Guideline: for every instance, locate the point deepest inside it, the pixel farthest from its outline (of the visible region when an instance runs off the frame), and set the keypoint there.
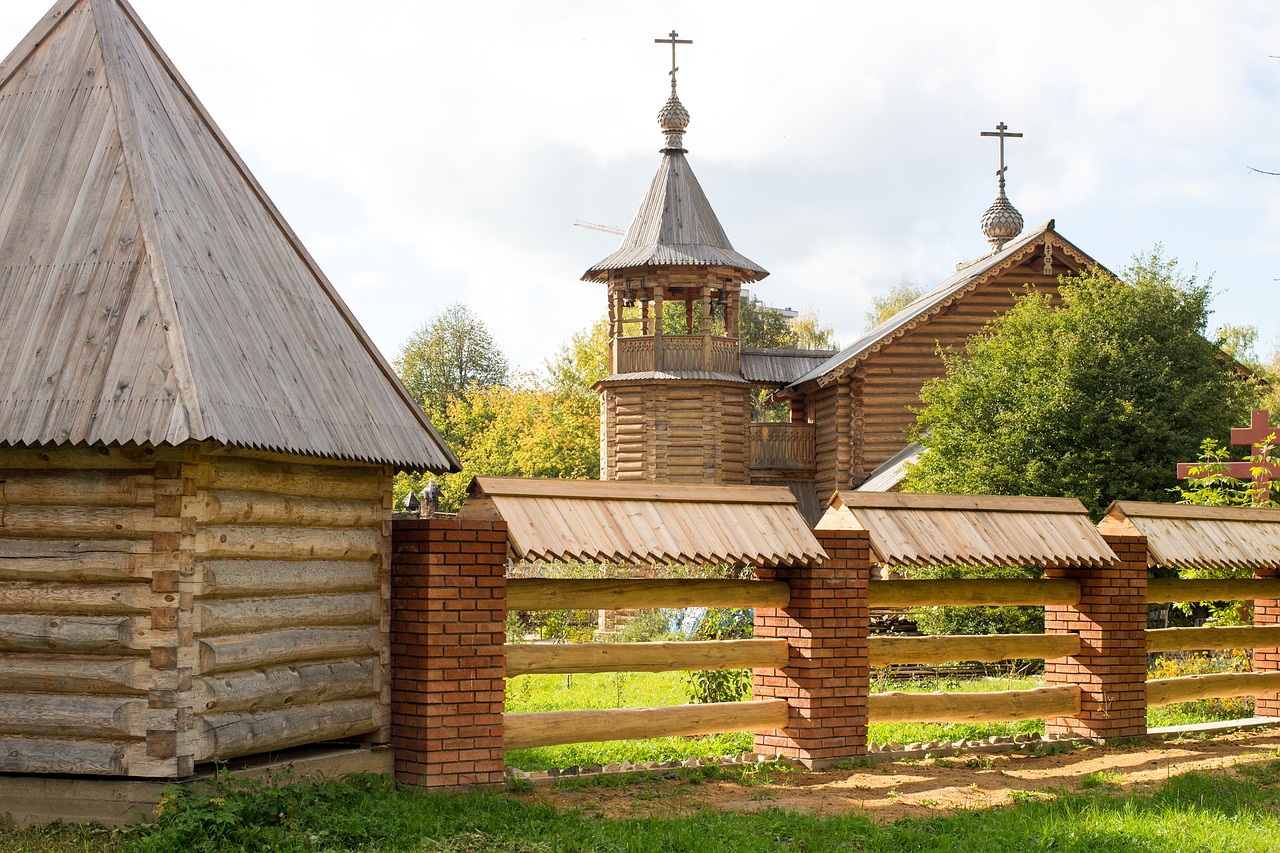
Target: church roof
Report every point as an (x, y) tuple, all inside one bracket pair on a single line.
[(967, 278), (675, 226), (780, 366), (150, 292)]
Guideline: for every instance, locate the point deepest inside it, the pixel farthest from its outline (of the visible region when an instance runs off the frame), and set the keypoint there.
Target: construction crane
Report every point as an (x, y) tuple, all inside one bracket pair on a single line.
[(608, 229)]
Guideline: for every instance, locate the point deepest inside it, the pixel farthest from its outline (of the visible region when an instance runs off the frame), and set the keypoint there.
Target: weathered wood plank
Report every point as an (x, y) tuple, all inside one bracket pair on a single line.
[(36, 672), (283, 647), (77, 598), (61, 715), (306, 481), (645, 657), (75, 488), (63, 755), (104, 635), (285, 686), (249, 732), (96, 458), (69, 522), (264, 577), (252, 615), (548, 728), (986, 592), (225, 507), (896, 707), (288, 543), (544, 594), (961, 647)]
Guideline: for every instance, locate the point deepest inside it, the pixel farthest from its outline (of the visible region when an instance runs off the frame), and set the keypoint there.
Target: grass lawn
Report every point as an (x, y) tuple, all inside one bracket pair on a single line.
[(1193, 812)]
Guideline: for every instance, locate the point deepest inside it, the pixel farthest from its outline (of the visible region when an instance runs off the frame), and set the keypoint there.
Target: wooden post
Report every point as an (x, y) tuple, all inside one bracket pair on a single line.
[(827, 679), (657, 327), (706, 327), (616, 327), (1266, 612), (1111, 668), (448, 636)]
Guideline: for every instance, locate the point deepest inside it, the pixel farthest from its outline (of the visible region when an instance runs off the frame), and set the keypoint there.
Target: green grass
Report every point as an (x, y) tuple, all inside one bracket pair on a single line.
[(1199, 812), (907, 733)]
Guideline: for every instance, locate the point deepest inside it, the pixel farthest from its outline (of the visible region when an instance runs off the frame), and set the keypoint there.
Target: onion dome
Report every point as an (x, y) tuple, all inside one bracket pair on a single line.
[(1002, 221), (673, 119)]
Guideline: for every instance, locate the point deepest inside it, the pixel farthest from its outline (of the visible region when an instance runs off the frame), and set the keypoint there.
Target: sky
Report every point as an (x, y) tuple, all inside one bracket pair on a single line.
[(431, 152)]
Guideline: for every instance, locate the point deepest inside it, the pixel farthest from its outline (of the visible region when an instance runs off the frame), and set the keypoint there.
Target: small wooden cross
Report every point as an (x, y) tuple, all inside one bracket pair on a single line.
[(1002, 132), (673, 41), (1259, 436)]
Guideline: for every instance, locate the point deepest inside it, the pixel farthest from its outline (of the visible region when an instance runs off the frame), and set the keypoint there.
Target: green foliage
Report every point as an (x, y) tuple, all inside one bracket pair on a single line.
[(1098, 398), (763, 327), (885, 305), (721, 685), (1176, 665), (450, 354), (977, 620)]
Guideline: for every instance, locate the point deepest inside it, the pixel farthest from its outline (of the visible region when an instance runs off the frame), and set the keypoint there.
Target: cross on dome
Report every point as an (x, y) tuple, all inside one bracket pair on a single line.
[(1002, 221), (673, 118)]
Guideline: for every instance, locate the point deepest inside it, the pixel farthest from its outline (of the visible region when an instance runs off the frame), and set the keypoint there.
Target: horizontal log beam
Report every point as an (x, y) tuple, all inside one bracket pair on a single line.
[(225, 578), (286, 646), (237, 733), (62, 715), (548, 728), (985, 592), (63, 522), (545, 594), (77, 488), (64, 673), (1165, 590), (305, 481), (1237, 637), (227, 507), (935, 650), (276, 687), (896, 707), (1189, 688), (104, 635), (86, 458), (76, 560), (525, 658), (289, 543), (67, 598), (254, 615)]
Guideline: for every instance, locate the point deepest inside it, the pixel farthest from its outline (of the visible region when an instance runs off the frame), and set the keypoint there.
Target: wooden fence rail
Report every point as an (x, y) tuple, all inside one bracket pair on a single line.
[(1241, 637), (937, 649), (549, 594), (1063, 700), (525, 658), (988, 592), (1165, 590), (1189, 688), (548, 728)]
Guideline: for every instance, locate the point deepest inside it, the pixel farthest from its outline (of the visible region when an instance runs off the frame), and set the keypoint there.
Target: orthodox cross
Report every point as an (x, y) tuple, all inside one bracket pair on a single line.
[(1002, 131), (1260, 437), (673, 41)]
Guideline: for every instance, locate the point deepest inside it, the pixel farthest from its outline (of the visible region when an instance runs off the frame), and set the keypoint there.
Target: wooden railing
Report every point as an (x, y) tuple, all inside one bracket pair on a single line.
[(1223, 685), (679, 352), (783, 447), (548, 728)]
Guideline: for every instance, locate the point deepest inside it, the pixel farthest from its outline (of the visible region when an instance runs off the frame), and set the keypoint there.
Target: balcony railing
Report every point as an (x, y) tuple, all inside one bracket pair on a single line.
[(782, 447), (679, 352)]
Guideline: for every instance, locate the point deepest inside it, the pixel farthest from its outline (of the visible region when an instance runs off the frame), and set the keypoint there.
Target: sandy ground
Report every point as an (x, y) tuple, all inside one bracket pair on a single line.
[(916, 787)]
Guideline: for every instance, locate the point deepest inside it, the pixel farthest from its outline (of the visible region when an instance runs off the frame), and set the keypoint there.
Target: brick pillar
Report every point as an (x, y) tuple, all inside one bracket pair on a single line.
[(448, 662), (827, 680), (1111, 668), (1266, 611)]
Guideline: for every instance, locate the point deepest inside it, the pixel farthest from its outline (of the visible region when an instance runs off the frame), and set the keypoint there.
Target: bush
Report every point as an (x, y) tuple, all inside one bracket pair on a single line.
[(722, 685)]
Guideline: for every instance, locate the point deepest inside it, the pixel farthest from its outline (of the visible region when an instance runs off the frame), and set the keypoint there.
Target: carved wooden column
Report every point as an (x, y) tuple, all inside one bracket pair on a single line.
[(657, 327)]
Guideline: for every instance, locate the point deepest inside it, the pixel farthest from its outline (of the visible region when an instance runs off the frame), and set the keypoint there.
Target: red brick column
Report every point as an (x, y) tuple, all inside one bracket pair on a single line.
[(1111, 668), (1266, 611), (827, 679), (448, 662)]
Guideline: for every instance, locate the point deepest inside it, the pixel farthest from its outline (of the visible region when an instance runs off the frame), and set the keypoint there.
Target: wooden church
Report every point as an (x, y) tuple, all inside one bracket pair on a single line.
[(676, 406), (197, 439)]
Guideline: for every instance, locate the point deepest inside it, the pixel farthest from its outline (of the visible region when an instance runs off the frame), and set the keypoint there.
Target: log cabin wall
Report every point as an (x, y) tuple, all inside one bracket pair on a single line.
[(678, 431), (161, 608), (891, 378)]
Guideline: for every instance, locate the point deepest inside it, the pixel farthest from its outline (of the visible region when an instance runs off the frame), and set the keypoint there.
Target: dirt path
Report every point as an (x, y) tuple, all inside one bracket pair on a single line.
[(916, 787)]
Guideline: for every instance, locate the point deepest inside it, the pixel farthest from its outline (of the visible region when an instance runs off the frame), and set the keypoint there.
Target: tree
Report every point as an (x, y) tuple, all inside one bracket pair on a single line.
[(886, 304), (450, 353), (763, 327), (1097, 399)]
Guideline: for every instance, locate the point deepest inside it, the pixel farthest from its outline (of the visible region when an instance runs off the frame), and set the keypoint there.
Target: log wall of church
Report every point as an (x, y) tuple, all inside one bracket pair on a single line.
[(893, 377)]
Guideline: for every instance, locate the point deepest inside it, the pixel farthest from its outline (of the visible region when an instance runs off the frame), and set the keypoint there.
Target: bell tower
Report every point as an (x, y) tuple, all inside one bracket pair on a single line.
[(675, 405)]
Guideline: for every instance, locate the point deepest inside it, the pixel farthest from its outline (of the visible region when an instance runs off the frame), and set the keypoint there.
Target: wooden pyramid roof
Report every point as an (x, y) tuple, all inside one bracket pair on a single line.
[(150, 292), (675, 226)]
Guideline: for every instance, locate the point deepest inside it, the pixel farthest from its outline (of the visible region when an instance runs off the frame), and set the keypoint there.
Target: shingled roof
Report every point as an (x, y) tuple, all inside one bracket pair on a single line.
[(150, 292)]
